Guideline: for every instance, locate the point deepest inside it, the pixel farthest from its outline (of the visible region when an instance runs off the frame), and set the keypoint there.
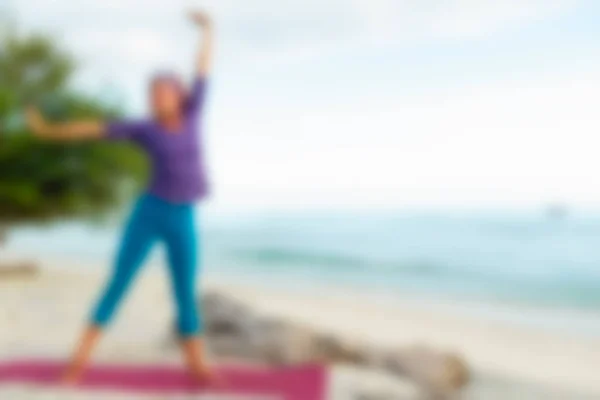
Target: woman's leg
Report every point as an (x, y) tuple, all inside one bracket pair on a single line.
[(182, 244), (136, 243)]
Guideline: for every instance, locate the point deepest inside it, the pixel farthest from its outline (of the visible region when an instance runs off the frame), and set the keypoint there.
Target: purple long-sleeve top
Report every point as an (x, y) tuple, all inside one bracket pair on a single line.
[(178, 173)]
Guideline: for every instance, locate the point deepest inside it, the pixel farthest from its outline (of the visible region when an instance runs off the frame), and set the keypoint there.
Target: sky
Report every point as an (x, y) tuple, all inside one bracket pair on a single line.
[(365, 103)]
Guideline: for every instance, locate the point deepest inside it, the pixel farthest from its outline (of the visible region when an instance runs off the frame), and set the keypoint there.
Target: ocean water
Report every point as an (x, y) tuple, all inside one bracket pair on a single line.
[(496, 260)]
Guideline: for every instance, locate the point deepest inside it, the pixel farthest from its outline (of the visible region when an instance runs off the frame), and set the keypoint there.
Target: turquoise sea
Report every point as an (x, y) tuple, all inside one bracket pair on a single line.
[(529, 262)]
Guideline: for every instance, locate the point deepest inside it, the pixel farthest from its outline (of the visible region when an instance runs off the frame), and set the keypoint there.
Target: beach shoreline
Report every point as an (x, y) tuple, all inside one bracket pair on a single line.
[(514, 355)]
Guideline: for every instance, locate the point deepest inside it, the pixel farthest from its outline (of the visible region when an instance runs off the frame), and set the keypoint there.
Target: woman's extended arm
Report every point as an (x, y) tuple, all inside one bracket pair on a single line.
[(204, 60), (76, 130)]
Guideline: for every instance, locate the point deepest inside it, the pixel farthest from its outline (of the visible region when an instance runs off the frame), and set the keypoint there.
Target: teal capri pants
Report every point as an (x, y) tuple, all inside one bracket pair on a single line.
[(153, 220)]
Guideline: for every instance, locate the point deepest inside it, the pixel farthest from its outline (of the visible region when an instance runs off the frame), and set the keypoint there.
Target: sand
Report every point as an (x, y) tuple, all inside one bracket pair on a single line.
[(44, 315)]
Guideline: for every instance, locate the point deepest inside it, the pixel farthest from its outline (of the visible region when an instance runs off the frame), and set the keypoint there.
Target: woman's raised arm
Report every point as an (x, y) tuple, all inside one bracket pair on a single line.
[(205, 54)]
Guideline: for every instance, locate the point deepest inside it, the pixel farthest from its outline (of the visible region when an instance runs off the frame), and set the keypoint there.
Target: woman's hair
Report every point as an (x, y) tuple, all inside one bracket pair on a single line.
[(172, 79), (167, 77)]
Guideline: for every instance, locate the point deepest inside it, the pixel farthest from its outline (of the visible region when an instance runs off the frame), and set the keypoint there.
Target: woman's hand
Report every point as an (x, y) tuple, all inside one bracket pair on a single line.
[(201, 18)]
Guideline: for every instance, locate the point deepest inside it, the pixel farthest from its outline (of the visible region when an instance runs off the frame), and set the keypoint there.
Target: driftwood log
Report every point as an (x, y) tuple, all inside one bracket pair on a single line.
[(18, 271), (233, 330), (14, 270)]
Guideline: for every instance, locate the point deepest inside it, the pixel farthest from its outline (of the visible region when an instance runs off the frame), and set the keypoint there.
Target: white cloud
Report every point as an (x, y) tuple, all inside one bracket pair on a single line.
[(393, 20), (270, 31), (512, 143), (276, 30), (141, 46)]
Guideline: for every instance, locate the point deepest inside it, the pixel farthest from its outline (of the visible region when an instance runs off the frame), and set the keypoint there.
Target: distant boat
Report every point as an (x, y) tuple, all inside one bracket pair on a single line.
[(557, 211)]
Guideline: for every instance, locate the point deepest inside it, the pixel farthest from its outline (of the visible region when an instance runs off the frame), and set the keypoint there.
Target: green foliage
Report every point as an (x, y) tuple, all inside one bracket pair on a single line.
[(43, 181)]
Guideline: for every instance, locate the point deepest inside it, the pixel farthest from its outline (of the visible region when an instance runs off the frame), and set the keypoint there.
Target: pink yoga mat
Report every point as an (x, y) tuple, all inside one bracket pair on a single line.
[(302, 383)]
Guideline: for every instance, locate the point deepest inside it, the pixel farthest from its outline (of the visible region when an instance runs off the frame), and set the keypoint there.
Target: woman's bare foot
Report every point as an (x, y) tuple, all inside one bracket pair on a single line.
[(201, 373), (206, 375), (193, 351), (72, 375), (74, 371)]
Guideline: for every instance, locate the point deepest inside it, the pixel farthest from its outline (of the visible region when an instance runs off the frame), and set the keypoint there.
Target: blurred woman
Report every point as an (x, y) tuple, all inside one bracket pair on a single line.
[(165, 212)]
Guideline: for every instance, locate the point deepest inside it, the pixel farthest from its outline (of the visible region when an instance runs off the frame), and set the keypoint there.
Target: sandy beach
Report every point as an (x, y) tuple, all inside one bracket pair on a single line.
[(42, 316)]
